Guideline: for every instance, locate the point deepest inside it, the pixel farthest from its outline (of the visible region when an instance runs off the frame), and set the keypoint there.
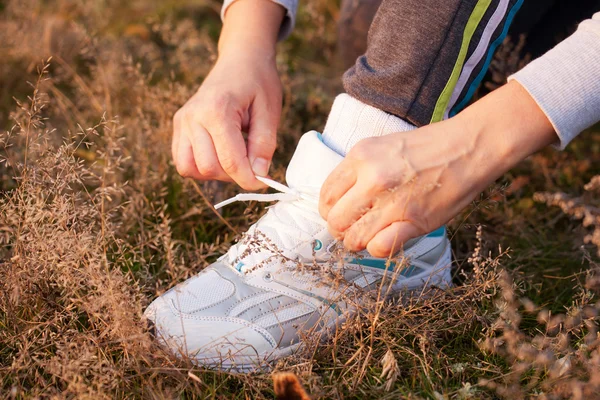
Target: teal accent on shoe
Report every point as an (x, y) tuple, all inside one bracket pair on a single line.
[(438, 232), (238, 266), (320, 136), (381, 263), (318, 245), (323, 300)]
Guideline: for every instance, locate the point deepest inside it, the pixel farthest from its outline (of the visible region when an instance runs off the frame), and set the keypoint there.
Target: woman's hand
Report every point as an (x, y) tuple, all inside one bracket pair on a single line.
[(393, 188), (242, 93)]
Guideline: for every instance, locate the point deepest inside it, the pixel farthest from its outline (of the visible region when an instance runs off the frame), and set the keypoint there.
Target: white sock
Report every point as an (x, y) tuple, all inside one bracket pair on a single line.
[(350, 120)]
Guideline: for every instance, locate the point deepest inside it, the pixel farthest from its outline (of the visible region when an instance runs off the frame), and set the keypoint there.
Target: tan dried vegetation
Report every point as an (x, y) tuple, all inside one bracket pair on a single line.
[(95, 222)]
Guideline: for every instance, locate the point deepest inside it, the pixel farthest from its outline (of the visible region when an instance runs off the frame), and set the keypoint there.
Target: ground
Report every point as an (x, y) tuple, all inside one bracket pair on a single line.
[(95, 223)]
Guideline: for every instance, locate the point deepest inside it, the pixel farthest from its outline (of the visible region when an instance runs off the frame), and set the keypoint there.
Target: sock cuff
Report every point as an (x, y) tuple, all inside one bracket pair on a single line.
[(351, 120)]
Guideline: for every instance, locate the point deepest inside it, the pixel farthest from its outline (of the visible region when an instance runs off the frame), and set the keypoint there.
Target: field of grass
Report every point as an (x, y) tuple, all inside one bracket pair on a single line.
[(95, 223)]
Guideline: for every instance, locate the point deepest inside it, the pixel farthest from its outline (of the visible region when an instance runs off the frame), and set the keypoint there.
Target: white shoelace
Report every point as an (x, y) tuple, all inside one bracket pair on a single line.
[(279, 218), (286, 193)]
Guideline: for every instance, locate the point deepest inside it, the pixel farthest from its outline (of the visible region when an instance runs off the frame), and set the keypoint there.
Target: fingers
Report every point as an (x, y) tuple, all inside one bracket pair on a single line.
[(335, 186), (231, 152), (184, 159), (348, 210), (205, 156), (211, 151), (387, 208), (390, 240), (193, 152), (362, 231), (262, 135)]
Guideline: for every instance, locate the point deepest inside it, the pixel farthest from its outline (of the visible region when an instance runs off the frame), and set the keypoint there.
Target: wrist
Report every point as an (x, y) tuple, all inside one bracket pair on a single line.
[(507, 126), (251, 27), (248, 58)]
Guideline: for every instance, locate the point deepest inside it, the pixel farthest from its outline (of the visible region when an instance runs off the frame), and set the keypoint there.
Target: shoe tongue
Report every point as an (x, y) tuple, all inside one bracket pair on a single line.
[(311, 163)]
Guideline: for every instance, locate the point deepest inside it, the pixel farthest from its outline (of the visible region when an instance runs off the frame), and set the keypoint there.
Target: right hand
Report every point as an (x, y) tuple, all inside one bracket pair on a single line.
[(242, 93)]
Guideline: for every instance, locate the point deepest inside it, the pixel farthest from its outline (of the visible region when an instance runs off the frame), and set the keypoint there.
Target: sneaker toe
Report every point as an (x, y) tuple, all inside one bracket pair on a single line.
[(182, 323)]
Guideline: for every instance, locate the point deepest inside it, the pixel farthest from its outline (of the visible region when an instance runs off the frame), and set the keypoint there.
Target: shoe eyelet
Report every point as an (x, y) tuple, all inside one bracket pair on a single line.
[(317, 245), (267, 277)]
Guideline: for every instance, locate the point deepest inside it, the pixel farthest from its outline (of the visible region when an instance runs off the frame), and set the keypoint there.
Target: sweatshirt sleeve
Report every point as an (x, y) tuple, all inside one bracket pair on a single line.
[(565, 82), (288, 22)]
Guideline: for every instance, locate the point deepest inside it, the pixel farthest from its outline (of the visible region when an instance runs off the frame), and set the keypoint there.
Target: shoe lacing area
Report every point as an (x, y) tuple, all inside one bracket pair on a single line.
[(291, 222)]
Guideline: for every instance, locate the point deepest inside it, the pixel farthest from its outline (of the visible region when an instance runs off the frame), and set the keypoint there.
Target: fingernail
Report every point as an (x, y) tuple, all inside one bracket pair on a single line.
[(260, 166)]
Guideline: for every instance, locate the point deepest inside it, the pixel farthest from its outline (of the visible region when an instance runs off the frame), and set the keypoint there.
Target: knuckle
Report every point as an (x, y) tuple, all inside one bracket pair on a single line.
[(353, 242), (208, 170), (215, 119), (325, 198), (223, 102), (230, 165), (362, 150), (268, 143), (184, 115), (184, 170), (336, 225), (380, 180)]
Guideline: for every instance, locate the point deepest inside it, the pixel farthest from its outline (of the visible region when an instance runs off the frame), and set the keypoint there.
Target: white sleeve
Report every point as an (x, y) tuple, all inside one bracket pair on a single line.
[(288, 22), (565, 82)]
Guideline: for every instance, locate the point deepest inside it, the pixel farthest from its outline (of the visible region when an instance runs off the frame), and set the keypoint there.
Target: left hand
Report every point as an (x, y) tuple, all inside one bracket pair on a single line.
[(393, 188)]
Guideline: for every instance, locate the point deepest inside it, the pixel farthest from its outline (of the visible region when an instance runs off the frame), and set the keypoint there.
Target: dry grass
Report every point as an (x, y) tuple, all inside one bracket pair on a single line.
[(95, 222)]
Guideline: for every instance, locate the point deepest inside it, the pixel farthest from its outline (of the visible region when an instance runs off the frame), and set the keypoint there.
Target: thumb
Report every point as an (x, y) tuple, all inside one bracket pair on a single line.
[(262, 135), (391, 239)]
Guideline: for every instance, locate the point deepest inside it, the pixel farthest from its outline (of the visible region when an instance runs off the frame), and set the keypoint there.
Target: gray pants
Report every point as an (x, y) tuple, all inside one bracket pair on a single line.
[(425, 58)]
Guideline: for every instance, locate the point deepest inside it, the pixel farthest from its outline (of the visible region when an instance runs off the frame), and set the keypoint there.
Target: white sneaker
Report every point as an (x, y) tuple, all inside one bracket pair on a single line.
[(282, 282)]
